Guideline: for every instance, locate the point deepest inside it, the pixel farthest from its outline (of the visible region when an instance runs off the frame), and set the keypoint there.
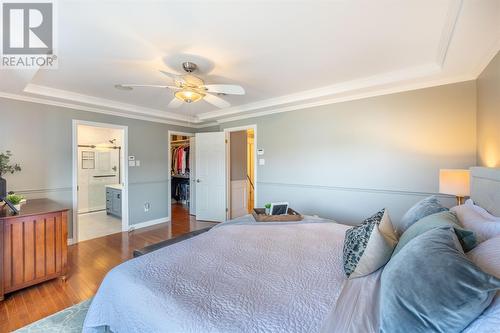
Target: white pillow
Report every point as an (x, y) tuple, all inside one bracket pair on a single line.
[(487, 257), (483, 212), (478, 220)]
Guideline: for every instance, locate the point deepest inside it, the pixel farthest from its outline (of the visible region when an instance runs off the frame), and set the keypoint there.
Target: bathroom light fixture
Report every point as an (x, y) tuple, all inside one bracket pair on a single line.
[(189, 95)]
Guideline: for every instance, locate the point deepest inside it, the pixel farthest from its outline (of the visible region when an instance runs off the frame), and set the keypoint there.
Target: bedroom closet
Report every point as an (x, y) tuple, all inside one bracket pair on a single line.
[(181, 163)]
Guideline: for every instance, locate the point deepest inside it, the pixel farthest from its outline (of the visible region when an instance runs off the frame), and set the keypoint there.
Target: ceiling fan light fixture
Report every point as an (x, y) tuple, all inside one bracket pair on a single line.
[(188, 95)]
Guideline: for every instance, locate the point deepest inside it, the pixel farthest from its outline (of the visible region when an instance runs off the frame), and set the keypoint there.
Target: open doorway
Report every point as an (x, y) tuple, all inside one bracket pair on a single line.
[(182, 192), (242, 171), (100, 171)]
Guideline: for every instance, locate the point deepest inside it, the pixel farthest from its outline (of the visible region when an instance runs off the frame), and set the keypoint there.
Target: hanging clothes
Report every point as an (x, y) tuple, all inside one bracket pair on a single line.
[(180, 160)]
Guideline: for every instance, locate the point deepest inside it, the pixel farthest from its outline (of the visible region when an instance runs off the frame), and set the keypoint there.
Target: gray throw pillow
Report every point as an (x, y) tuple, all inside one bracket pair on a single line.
[(421, 209), (466, 237), (431, 286)]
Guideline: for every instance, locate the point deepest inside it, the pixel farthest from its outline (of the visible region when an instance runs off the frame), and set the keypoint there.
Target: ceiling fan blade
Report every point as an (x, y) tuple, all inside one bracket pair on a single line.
[(174, 77), (229, 89), (217, 101), (175, 103), (126, 85)]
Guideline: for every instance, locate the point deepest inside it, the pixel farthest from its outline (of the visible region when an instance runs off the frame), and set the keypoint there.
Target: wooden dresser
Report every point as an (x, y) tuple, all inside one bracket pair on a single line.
[(33, 245)]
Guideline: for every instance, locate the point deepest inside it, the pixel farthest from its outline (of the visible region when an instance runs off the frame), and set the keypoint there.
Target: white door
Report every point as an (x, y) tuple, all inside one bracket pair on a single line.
[(192, 176), (211, 176)]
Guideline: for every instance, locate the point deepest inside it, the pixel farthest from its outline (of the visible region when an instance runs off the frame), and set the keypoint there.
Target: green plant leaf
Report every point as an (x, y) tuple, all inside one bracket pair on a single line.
[(15, 198)]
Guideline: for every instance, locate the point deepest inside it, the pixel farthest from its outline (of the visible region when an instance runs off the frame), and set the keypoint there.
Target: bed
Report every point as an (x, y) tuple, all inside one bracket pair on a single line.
[(244, 276)]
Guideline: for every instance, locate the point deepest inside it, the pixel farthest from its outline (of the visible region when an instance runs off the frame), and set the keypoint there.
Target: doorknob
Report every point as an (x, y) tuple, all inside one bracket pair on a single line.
[(198, 180)]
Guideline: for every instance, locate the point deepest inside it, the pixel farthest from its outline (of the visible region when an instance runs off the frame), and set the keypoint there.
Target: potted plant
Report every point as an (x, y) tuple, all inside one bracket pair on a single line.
[(268, 208), (6, 167), (15, 199)]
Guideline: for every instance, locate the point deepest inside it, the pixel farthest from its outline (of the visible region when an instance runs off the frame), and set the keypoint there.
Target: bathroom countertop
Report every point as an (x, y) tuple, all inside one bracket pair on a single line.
[(115, 186)]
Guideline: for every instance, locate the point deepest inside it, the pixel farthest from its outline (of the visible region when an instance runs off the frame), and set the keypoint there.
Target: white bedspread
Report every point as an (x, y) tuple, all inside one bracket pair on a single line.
[(234, 278)]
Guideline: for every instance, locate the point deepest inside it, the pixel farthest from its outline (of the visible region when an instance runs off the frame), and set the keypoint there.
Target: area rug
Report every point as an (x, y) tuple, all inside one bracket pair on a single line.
[(69, 320)]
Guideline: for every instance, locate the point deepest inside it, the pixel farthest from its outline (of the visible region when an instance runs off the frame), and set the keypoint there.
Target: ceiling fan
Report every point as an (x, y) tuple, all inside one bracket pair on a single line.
[(189, 88)]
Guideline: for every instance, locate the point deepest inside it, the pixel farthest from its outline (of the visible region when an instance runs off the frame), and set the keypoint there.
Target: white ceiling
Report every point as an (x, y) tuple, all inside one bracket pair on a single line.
[(287, 55)]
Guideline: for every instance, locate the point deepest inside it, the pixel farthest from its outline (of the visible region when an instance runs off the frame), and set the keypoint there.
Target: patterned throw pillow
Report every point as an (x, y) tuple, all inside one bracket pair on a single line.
[(369, 246)]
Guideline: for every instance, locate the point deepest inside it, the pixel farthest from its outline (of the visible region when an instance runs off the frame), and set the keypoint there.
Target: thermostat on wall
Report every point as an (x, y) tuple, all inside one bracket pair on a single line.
[(131, 158), (260, 151)]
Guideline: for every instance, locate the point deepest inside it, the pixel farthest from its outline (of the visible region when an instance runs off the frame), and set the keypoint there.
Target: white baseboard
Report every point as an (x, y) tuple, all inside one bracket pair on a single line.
[(149, 223), (71, 241)]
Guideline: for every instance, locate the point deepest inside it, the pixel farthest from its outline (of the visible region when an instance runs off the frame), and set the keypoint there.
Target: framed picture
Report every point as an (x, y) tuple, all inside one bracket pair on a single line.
[(279, 208)]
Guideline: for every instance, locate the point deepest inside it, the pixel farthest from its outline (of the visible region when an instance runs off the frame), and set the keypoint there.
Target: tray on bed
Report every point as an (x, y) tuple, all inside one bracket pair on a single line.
[(260, 216)]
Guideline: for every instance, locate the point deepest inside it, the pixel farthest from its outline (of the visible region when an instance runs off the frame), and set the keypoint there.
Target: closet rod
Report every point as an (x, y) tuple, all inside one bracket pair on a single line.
[(179, 141)]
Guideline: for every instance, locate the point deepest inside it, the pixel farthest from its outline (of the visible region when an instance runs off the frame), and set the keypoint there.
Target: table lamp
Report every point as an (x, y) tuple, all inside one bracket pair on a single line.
[(455, 182)]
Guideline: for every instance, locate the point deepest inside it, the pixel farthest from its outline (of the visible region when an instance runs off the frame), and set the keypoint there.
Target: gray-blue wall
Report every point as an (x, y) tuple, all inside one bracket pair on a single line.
[(40, 137), (348, 160), (488, 115), (344, 161)]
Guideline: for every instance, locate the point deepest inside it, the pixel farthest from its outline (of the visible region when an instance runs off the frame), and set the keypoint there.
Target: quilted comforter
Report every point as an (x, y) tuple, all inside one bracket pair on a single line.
[(238, 277)]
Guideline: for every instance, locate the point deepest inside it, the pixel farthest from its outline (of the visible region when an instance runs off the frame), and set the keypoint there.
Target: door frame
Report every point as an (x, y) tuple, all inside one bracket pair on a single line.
[(228, 164), (124, 172), (169, 185)]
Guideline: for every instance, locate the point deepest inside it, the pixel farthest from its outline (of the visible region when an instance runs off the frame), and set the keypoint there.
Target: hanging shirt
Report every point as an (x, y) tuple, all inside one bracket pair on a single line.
[(180, 156)]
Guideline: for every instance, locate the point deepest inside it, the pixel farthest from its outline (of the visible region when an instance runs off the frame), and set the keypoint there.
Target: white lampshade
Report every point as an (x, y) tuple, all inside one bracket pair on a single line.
[(455, 182)]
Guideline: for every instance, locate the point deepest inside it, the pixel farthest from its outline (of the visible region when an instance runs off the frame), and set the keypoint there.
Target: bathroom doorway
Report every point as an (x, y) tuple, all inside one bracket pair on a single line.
[(100, 173)]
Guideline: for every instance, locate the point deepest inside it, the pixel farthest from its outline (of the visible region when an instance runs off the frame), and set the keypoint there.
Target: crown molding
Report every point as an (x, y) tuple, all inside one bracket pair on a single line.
[(448, 30), (328, 91), (103, 102), (80, 107), (340, 99)]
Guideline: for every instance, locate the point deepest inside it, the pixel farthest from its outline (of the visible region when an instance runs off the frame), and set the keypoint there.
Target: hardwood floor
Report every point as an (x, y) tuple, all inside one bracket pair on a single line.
[(89, 262)]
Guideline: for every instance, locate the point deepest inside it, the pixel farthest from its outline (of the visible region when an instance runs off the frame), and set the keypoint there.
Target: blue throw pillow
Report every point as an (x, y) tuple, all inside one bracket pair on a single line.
[(421, 209), (431, 286), (466, 237)]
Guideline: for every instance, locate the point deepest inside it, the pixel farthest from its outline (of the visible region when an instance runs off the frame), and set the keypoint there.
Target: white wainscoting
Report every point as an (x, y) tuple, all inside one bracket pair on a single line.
[(344, 204), (239, 199)]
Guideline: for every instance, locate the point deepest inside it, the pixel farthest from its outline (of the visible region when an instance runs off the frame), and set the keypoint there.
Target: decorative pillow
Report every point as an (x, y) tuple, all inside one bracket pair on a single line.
[(467, 238), (477, 219), (487, 256), (369, 246), (421, 209), (431, 286), (483, 212)]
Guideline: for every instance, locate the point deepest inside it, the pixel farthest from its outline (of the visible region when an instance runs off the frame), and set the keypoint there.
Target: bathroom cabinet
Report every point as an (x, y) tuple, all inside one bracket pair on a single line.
[(114, 200)]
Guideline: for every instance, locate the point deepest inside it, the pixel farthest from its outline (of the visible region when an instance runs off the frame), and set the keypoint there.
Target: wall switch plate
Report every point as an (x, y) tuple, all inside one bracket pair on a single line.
[(131, 163), (137, 163), (147, 206), (262, 161)]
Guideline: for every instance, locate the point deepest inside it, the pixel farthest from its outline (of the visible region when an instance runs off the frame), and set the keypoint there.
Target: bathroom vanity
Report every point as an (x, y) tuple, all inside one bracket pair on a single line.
[(114, 200)]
